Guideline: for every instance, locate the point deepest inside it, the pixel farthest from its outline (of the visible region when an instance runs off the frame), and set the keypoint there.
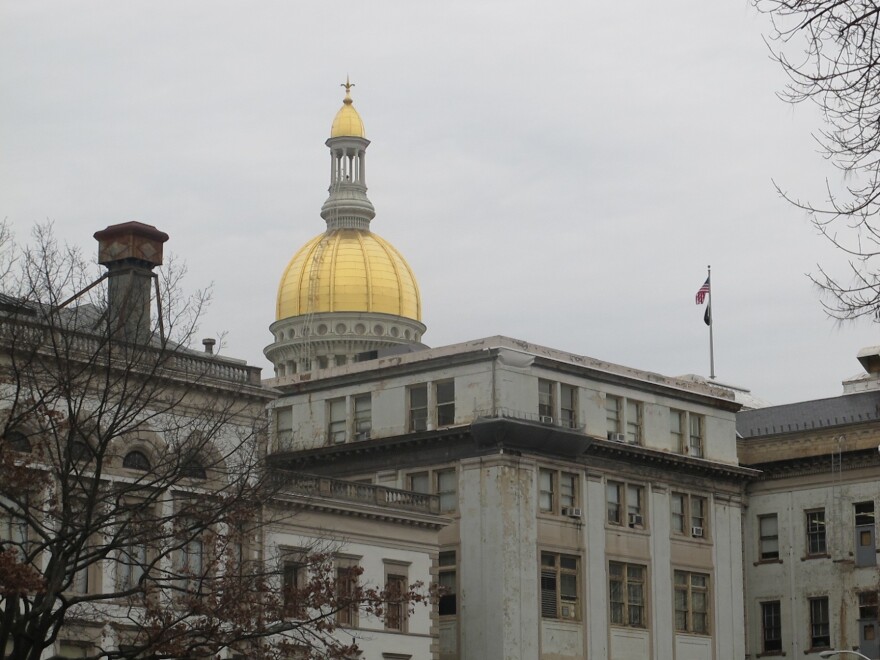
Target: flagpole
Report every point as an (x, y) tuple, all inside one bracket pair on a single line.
[(711, 322)]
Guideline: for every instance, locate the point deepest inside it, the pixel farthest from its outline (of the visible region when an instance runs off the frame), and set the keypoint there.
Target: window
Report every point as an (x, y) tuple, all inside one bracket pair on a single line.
[(557, 491), (190, 562), (347, 592), (864, 513), (676, 430), (546, 407), (446, 403), (771, 627), (688, 515), (284, 427), (446, 580), (768, 546), (820, 629), (395, 607), (17, 441), (612, 414), (633, 422), (193, 468), (136, 460), (294, 578), (568, 406), (695, 437), (447, 489), (691, 602), (866, 554), (625, 500), (336, 425), (131, 566), (443, 483), (363, 416), (626, 588), (816, 543), (13, 524), (418, 408), (868, 605), (559, 586)]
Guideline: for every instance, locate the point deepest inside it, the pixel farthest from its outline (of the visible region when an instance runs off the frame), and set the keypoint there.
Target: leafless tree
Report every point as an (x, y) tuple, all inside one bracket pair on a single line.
[(132, 483), (830, 50)]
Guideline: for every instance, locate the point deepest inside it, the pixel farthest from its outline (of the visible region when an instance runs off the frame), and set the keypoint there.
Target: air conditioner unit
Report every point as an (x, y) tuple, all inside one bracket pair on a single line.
[(362, 435), (636, 520), (616, 437), (546, 419), (568, 612), (697, 532), (572, 511)]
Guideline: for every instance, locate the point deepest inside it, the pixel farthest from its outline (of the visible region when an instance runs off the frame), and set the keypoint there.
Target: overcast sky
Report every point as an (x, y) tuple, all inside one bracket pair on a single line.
[(560, 172)]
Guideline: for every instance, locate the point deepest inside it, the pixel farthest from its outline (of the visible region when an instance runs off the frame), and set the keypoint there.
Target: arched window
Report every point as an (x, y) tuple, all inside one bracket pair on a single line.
[(17, 441), (136, 460), (194, 468)]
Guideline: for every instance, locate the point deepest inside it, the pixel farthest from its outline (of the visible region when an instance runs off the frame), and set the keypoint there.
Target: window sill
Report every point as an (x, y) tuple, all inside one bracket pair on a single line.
[(704, 539), (626, 528), (817, 649), (766, 561), (822, 556), (771, 654)]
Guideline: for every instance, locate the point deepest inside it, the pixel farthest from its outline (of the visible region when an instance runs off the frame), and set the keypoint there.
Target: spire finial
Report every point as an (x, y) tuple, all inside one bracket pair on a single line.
[(348, 85)]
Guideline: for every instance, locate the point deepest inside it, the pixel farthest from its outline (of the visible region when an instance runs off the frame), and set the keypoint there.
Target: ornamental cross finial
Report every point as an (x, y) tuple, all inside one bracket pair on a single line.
[(348, 85)]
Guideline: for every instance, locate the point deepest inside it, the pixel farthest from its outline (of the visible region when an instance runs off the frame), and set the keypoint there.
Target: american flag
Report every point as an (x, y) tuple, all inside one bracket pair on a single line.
[(701, 294)]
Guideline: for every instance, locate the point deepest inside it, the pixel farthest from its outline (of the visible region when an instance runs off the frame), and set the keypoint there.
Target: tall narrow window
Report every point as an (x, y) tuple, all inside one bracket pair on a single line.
[(866, 552), (676, 430), (447, 489), (768, 527), (633, 422), (698, 515), (546, 490), (545, 399), (294, 579), (395, 607), (626, 588), (446, 403), (347, 592), (567, 490), (771, 627), (559, 586), (612, 414), (816, 541), (363, 416), (613, 500), (418, 408), (420, 482), (284, 427), (336, 430), (679, 513), (820, 628), (446, 580), (695, 446), (568, 406)]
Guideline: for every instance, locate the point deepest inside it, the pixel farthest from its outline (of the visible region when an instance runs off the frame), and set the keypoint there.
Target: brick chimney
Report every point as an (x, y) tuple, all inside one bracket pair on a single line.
[(130, 251)]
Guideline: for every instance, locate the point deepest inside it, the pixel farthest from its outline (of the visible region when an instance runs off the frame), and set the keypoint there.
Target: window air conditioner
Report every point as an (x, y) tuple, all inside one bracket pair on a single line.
[(636, 520), (697, 532), (546, 419), (616, 437), (572, 511), (568, 612)]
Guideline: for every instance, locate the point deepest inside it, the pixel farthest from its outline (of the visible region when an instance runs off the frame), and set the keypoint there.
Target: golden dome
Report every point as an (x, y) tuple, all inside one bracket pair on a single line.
[(347, 122), (348, 270)]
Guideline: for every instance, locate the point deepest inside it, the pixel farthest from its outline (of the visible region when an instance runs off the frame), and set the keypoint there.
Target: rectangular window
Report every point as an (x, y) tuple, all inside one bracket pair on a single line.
[(691, 602), (418, 408), (868, 605), (866, 553), (336, 415), (816, 542), (446, 403), (864, 512), (567, 490), (363, 416), (347, 592), (446, 581), (395, 607), (420, 482), (633, 422), (695, 440), (447, 489), (626, 587), (13, 525), (568, 406), (559, 586), (546, 490), (293, 574), (771, 627), (545, 399), (284, 427), (820, 629), (768, 527), (676, 430), (612, 414), (625, 504), (688, 515)]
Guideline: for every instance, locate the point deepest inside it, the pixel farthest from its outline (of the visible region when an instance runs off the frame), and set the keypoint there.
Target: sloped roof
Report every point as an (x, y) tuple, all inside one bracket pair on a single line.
[(806, 415)]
